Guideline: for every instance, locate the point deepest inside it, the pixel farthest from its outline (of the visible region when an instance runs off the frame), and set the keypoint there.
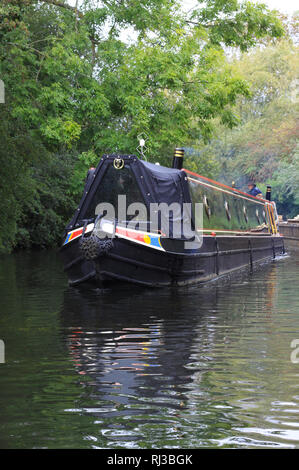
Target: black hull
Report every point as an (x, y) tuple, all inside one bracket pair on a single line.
[(141, 265), (290, 231)]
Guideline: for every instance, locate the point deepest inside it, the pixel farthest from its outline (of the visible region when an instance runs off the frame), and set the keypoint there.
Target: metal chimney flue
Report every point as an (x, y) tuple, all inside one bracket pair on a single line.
[(268, 193), (178, 158)]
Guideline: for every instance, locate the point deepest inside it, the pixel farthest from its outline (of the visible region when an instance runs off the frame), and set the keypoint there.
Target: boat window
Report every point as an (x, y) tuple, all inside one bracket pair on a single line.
[(240, 211), (117, 182)]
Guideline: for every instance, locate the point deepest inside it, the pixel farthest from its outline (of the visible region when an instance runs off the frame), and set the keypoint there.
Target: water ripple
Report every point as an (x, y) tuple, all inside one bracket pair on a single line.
[(132, 368)]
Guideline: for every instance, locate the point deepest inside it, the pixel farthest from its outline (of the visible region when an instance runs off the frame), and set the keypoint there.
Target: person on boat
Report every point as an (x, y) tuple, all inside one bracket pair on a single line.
[(253, 190)]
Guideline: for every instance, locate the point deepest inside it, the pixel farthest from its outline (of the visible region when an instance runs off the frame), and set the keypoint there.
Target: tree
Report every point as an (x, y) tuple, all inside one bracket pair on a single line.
[(75, 89), (285, 185), (263, 147)]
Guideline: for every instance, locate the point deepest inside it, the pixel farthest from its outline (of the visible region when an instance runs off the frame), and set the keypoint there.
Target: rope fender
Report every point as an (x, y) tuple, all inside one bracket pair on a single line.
[(92, 247)]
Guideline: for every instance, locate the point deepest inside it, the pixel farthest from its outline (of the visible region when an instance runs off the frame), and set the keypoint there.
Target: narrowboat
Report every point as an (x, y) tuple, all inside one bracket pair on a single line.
[(290, 232), (150, 225)]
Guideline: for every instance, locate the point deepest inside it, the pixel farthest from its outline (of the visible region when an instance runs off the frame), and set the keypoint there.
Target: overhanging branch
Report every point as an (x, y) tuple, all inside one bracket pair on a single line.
[(62, 4)]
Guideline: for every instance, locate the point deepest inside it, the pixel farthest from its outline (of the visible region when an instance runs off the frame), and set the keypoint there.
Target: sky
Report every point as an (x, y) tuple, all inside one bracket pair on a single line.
[(286, 6)]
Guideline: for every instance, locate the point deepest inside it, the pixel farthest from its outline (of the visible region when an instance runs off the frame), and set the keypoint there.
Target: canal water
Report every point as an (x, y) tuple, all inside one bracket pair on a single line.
[(128, 367)]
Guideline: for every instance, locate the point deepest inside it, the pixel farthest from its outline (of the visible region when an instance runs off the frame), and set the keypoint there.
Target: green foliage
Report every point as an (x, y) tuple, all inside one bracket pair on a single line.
[(263, 146), (76, 88), (285, 185), (84, 160), (42, 219), (238, 25)]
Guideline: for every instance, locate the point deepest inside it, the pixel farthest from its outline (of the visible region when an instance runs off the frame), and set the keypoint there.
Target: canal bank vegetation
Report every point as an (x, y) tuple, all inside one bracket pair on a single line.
[(264, 145), (86, 78)]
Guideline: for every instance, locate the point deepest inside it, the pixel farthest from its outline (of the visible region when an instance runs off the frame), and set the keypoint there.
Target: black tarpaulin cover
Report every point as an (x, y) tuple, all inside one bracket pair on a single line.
[(168, 186), (157, 184)]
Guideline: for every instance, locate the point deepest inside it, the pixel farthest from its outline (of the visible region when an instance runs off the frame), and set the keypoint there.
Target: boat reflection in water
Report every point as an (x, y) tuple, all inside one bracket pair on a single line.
[(128, 350), (189, 359), (174, 227), (147, 343)]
